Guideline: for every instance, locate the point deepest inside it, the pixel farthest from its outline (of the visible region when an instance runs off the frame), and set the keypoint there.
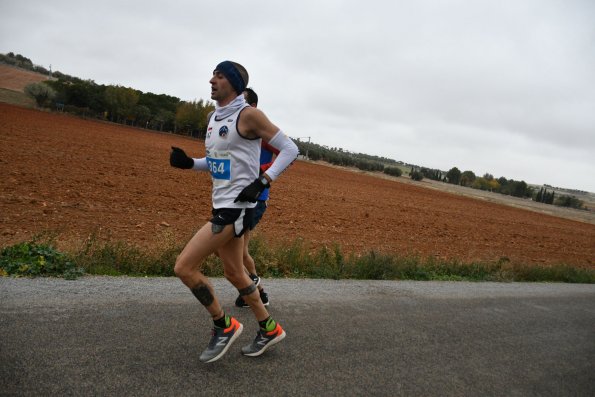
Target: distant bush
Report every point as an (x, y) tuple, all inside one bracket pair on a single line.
[(42, 93), (569, 201), (394, 171), (416, 175)]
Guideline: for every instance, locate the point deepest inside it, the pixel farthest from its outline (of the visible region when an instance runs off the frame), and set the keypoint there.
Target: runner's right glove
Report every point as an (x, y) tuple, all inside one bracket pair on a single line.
[(179, 159)]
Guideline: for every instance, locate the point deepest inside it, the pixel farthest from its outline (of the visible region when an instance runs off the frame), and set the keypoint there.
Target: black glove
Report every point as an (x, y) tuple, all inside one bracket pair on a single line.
[(253, 190), (178, 159)]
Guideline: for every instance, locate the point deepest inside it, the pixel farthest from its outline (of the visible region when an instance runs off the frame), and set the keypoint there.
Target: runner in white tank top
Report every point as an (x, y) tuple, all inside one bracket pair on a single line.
[(233, 160)]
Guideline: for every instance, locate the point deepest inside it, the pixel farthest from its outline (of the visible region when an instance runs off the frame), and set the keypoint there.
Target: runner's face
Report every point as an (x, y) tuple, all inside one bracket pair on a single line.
[(221, 90)]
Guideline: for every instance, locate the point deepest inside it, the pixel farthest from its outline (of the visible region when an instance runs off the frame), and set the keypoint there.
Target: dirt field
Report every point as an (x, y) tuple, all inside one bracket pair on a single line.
[(76, 177), (16, 79)]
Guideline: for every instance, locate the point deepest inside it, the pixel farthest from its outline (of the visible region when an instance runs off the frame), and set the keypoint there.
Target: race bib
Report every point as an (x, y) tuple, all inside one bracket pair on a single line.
[(220, 167)]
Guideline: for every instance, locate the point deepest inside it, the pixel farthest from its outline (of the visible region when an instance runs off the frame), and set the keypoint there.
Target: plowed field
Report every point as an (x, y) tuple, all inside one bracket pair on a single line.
[(16, 79), (75, 177)]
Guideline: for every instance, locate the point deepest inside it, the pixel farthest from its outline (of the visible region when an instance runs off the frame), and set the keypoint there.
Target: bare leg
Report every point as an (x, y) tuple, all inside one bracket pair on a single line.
[(188, 263), (247, 258), (233, 265)]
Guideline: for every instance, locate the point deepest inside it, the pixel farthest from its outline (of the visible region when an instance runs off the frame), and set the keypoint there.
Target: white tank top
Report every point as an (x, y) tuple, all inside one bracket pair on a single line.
[(232, 159)]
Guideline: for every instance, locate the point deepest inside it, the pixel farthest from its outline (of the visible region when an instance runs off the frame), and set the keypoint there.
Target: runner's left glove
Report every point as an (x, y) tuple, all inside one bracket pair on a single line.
[(253, 190), (179, 159)]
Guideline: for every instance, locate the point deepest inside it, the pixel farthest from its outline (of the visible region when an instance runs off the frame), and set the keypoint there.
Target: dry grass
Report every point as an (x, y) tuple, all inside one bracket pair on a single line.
[(16, 98)]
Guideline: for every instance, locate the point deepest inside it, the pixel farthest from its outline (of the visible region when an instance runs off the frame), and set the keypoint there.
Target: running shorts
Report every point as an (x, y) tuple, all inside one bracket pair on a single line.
[(240, 218)]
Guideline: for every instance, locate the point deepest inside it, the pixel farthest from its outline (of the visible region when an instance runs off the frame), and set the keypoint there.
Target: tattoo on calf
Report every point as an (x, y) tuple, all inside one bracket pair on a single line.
[(203, 294)]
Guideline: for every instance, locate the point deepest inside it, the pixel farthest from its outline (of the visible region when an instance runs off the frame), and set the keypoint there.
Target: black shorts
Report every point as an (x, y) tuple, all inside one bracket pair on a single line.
[(240, 218), (261, 207)]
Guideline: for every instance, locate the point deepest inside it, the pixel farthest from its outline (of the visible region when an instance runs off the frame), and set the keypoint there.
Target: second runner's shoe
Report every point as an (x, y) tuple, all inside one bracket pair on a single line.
[(263, 341), (256, 279), (221, 341), (264, 297)]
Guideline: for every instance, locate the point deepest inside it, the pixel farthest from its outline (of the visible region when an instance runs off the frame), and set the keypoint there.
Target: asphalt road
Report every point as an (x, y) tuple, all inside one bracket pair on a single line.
[(142, 337)]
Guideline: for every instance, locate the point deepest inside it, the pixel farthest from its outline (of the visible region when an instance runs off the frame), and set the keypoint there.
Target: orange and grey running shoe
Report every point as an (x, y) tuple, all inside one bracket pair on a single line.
[(221, 341), (263, 341)]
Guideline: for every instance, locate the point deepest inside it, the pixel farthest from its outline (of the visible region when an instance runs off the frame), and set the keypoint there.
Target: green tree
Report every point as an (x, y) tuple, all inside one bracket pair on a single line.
[(121, 102), (164, 119), (482, 183), (79, 93), (416, 175), (432, 174), (467, 178), (162, 107), (142, 115), (187, 117), (41, 92), (191, 117), (539, 196), (453, 176), (545, 197), (518, 189), (158, 102)]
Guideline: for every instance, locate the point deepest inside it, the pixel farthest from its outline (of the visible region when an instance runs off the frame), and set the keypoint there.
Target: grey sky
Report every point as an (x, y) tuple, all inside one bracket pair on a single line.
[(505, 87)]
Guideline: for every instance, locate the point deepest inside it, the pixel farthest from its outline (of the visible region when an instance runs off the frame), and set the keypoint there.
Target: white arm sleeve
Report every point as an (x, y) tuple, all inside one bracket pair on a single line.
[(288, 152), (200, 164)]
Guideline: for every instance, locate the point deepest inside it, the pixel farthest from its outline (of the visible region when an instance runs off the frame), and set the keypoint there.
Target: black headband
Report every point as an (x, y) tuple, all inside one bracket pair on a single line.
[(231, 73)]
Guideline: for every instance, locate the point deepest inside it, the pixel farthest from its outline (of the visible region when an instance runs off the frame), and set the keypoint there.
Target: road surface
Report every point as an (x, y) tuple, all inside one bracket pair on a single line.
[(143, 336)]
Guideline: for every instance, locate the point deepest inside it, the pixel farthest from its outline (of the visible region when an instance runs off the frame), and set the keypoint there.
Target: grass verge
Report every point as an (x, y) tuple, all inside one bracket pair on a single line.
[(298, 260), (31, 259)]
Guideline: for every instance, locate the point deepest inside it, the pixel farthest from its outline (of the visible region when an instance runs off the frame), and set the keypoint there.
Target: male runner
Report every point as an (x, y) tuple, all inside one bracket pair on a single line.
[(232, 146)]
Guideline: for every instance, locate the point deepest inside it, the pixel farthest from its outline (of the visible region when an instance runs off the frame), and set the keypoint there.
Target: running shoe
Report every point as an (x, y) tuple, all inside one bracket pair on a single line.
[(240, 302), (256, 279), (264, 297), (263, 341), (221, 340)]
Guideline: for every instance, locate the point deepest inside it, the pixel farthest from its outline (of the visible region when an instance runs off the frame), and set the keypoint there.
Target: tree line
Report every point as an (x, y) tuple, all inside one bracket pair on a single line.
[(487, 182), (114, 102), (338, 156)]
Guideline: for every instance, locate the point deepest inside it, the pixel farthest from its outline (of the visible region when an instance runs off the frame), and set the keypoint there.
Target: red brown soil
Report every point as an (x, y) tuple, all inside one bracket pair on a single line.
[(76, 177)]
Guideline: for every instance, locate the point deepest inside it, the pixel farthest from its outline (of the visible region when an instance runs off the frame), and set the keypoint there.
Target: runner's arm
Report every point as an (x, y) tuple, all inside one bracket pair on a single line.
[(200, 164), (256, 124), (288, 152), (269, 148)]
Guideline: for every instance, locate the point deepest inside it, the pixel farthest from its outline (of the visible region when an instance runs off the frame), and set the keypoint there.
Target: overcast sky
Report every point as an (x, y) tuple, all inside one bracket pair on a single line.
[(505, 87)]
